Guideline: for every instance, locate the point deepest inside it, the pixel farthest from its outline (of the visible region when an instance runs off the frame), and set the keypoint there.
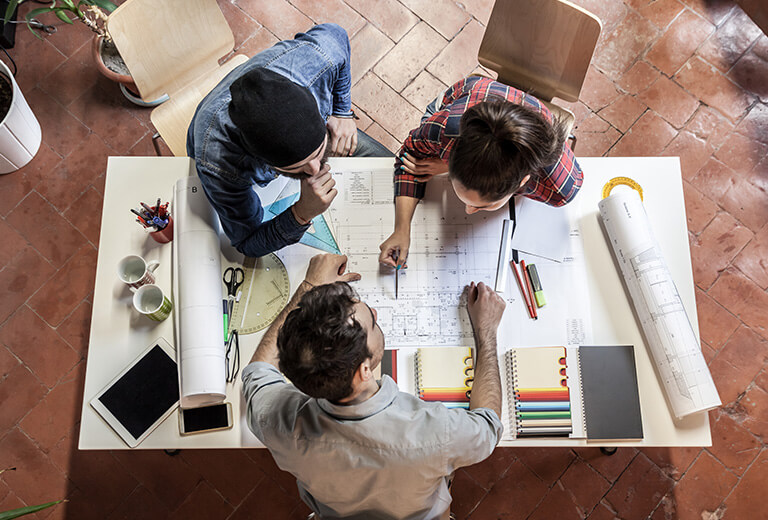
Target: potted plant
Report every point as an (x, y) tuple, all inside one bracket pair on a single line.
[(92, 13), (20, 133)]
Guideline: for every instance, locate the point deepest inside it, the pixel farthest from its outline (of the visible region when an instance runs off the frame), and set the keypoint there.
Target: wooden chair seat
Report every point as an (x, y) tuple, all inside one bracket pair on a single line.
[(173, 47)]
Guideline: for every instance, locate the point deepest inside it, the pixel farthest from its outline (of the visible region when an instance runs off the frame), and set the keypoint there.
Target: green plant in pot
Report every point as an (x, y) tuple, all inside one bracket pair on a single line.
[(92, 13)]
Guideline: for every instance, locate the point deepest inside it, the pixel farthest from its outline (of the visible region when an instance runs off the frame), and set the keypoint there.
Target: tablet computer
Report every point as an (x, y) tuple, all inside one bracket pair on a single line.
[(143, 395)]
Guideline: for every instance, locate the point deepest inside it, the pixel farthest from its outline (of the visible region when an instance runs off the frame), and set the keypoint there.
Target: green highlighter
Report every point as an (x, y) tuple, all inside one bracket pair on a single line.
[(538, 293)]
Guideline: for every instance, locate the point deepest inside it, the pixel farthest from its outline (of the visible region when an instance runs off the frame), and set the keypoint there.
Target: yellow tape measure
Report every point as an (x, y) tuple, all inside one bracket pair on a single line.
[(625, 181)]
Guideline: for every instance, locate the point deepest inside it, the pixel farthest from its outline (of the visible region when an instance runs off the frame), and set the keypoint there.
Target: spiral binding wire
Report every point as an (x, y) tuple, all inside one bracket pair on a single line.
[(511, 394), (581, 393), (417, 370)]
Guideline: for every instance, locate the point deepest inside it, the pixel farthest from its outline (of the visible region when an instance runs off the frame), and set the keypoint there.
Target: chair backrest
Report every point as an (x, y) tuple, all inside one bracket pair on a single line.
[(542, 46), (168, 44)]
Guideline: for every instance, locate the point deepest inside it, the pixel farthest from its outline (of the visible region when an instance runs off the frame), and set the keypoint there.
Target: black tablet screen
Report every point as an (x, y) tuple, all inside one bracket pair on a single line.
[(144, 393)]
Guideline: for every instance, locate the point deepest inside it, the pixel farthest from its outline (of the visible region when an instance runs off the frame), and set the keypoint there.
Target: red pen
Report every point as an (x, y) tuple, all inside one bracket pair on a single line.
[(523, 291), (529, 286)]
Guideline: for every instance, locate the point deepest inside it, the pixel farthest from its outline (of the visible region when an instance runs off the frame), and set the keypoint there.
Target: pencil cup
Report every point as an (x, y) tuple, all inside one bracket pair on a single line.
[(134, 271), (164, 235), (151, 302)]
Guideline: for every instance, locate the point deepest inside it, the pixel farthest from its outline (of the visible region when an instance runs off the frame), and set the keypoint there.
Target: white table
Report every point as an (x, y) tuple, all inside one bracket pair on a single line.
[(119, 334)]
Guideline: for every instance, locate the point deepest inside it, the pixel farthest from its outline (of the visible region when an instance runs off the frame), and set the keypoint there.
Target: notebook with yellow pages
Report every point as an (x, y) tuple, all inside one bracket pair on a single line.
[(579, 392), (444, 374)]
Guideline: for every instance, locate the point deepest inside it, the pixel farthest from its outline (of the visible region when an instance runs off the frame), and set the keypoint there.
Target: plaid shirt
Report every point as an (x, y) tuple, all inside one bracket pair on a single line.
[(436, 136)]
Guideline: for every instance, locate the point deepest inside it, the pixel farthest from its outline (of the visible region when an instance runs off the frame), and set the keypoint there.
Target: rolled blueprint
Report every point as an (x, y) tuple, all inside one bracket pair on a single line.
[(200, 352), (674, 349)]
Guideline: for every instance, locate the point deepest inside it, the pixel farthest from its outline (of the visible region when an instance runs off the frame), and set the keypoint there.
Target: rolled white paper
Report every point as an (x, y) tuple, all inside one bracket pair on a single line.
[(674, 348), (201, 351)]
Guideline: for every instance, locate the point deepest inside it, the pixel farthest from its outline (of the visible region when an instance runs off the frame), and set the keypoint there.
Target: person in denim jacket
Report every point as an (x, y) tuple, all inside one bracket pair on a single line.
[(283, 112)]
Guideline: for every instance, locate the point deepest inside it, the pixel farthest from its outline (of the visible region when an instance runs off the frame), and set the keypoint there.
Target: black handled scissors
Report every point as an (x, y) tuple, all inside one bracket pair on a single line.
[(233, 279)]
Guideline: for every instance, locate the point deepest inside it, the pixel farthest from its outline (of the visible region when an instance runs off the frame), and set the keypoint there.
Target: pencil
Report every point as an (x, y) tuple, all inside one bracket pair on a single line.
[(521, 284), (530, 290)]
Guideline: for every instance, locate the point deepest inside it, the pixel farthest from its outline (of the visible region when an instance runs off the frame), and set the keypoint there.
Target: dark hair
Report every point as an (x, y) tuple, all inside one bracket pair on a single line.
[(321, 344), (500, 143)]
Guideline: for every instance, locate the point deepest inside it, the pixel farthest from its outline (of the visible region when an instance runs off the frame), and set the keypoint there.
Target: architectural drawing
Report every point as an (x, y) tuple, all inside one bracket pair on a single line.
[(674, 347), (449, 249)]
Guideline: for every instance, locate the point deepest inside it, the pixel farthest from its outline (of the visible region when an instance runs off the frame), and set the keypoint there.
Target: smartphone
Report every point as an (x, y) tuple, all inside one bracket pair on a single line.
[(205, 419)]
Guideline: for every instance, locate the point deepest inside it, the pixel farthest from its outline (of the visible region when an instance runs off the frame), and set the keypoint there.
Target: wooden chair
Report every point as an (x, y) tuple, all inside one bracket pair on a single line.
[(543, 47), (173, 47)]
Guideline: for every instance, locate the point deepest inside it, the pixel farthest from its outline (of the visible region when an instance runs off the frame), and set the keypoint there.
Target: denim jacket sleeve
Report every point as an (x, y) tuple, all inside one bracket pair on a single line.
[(242, 216), (334, 41)]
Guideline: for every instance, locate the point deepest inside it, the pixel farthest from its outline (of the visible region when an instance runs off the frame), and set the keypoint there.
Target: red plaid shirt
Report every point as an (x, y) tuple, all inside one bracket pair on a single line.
[(436, 137)]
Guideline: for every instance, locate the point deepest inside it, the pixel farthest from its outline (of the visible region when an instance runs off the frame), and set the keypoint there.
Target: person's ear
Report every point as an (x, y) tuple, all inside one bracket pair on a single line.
[(364, 371), (524, 181)]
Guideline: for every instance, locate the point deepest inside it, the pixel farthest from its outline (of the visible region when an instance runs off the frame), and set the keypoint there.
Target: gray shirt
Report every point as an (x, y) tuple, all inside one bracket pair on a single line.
[(388, 457)]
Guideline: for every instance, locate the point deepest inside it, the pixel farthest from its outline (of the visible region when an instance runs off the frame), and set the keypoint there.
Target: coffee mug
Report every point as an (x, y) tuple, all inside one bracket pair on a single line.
[(151, 302), (134, 271)]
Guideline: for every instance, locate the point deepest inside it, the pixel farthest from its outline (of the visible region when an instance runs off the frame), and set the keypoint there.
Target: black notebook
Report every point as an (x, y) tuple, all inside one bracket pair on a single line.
[(609, 392)]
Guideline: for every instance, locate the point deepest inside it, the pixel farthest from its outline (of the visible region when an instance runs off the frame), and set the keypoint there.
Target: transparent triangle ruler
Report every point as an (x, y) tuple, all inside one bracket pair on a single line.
[(319, 234), (266, 290)]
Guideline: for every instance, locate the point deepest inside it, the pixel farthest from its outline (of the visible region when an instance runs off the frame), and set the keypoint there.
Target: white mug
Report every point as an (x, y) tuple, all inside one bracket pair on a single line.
[(134, 271), (151, 302)]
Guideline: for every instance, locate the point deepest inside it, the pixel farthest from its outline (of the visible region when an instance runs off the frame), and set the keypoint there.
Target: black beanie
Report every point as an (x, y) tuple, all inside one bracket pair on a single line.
[(277, 118)]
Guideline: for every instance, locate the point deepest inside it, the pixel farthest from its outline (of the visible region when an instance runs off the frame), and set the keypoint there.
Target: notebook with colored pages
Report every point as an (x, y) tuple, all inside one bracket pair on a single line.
[(444, 374), (579, 392)]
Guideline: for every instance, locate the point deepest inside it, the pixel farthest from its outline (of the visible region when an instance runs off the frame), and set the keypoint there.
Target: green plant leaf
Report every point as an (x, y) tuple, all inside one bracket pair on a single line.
[(15, 513), (104, 4), (12, 5), (35, 12), (60, 12), (70, 4)]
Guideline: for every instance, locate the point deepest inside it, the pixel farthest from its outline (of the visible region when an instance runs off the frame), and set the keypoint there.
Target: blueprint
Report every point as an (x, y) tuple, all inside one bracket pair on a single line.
[(674, 348), (449, 249)]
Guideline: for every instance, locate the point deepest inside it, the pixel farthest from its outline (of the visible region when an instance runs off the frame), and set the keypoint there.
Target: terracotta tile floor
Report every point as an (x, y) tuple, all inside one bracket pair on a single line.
[(687, 78)]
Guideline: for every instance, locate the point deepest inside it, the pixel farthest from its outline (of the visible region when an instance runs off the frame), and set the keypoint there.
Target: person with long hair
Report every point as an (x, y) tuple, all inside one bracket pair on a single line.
[(494, 141)]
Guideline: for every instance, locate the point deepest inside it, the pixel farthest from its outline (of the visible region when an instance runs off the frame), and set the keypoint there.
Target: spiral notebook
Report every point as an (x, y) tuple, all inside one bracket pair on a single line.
[(586, 391), (444, 374)]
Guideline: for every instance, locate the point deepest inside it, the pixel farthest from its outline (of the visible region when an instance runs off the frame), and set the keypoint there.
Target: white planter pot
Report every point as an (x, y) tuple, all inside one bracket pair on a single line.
[(20, 134)]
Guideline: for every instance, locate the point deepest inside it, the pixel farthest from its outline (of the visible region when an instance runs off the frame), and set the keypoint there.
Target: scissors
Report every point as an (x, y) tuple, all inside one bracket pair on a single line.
[(233, 279)]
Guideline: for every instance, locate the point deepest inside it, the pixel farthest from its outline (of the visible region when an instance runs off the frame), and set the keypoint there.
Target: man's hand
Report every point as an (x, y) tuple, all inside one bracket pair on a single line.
[(394, 250), (317, 193), (485, 309), (328, 268), (343, 136), (424, 169)]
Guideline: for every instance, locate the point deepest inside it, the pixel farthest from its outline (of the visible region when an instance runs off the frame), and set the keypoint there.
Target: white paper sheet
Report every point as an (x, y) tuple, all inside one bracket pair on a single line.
[(450, 249), (540, 229), (674, 348)]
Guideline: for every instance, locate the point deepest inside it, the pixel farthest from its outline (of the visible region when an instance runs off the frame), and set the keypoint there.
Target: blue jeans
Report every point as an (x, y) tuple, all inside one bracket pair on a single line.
[(367, 146)]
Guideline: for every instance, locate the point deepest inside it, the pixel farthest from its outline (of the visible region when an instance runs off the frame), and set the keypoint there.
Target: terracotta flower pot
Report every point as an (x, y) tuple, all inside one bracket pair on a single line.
[(124, 79), (127, 85)]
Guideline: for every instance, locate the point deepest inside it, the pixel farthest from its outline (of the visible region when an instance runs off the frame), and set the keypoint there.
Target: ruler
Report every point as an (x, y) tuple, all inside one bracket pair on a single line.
[(266, 290), (319, 235)]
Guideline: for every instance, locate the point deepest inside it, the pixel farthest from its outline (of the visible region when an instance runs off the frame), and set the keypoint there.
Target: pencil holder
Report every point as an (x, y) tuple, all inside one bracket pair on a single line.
[(164, 235)]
